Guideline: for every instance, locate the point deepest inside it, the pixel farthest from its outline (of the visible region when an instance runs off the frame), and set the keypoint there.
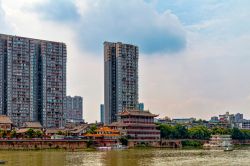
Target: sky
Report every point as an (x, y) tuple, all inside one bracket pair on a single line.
[(194, 58)]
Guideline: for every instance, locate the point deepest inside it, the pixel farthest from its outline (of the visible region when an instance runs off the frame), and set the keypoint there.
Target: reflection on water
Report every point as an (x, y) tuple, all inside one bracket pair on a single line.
[(130, 157), (33, 158)]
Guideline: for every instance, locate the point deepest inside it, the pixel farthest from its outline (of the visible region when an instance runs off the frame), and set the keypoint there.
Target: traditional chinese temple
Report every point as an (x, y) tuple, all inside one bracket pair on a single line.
[(138, 126)]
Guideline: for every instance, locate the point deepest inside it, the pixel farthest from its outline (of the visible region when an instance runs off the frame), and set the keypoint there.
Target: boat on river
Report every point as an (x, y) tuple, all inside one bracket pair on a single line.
[(118, 146), (115, 146), (103, 148), (2, 162)]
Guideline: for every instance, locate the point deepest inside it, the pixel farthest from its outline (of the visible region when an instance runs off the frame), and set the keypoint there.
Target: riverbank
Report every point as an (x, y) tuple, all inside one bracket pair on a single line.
[(75, 145), (42, 144)]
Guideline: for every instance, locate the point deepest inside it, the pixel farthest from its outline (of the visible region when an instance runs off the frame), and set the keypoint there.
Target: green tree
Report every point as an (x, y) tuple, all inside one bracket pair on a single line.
[(220, 131), (30, 133), (246, 133), (13, 134), (60, 133), (237, 134), (180, 132), (173, 132), (4, 133), (166, 131), (92, 129), (38, 134), (199, 132)]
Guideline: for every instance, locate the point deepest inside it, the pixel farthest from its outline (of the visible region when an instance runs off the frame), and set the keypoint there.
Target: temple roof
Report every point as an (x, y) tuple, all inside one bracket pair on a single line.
[(32, 125), (106, 129), (5, 119), (136, 113), (121, 124)]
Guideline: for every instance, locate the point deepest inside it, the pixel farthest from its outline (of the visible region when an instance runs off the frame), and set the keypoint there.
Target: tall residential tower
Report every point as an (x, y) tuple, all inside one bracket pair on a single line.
[(120, 79), (33, 80)]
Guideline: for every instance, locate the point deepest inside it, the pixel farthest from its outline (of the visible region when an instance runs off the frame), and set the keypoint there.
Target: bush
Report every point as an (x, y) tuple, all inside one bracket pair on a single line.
[(191, 143)]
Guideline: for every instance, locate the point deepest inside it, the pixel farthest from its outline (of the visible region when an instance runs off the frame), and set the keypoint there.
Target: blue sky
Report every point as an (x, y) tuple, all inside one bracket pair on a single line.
[(194, 55)]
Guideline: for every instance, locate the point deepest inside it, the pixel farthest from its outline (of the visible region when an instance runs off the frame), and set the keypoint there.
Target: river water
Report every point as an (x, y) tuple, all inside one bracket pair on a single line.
[(130, 157)]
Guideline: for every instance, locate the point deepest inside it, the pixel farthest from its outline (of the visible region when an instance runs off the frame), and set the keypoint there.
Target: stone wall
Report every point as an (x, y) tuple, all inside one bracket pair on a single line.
[(241, 142), (42, 144)]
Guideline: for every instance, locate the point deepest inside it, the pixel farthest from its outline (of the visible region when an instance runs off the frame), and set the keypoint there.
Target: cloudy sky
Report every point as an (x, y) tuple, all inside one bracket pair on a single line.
[(194, 55)]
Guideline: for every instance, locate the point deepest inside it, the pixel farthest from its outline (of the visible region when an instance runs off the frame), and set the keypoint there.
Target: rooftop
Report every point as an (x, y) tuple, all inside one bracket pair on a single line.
[(5, 119), (32, 125), (137, 113), (106, 129)]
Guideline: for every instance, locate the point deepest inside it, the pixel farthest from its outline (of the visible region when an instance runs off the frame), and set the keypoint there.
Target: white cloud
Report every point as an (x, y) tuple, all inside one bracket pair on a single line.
[(4, 26), (206, 78), (131, 21)]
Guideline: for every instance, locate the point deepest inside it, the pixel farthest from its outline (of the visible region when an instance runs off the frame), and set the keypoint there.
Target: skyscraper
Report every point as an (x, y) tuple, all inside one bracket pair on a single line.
[(34, 84), (102, 113), (140, 106), (120, 79), (74, 108)]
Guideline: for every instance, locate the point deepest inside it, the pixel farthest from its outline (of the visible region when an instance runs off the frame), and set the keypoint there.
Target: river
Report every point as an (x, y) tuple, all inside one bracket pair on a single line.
[(130, 157)]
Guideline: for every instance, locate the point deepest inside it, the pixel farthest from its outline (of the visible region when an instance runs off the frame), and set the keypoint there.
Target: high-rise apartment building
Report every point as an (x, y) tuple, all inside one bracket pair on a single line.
[(120, 79), (102, 113), (74, 108), (33, 80)]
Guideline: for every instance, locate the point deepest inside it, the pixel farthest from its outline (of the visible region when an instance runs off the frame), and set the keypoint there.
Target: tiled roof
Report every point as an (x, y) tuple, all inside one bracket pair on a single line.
[(24, 130), (137, 113), (53, 130), (32, 125), (101, 135), (121, 124), (79, 129), (5, 119), (106, 129)]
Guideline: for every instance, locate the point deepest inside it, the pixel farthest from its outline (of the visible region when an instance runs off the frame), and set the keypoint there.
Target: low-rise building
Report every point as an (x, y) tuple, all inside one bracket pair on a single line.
[(244, 124), (183, 120), (104, 136), (214, 119), (165, 120), (32, 125), (78, 130), (227, 117), (238, 117), (5, 123)]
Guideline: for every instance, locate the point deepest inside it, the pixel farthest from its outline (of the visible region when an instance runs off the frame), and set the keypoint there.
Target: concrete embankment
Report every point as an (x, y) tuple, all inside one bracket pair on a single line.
[(241, 142), (42, 144), (178, 143)]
